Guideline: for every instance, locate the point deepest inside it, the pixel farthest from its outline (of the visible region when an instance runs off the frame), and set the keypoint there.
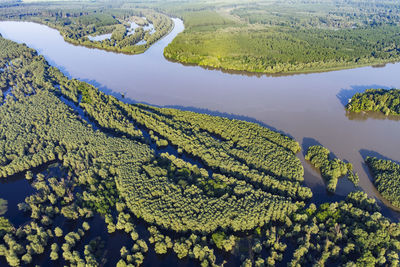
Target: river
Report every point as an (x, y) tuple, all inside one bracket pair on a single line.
[(308, 107)]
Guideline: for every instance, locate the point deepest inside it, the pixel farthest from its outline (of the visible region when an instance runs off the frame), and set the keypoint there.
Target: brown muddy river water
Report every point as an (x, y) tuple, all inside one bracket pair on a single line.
[(308, 107)]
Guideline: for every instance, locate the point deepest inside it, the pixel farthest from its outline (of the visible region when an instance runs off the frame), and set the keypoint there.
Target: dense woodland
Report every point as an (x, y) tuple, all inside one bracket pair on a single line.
[(264, 36), (386, 175), (77, 21), (270, 36), (380, 100), (200, 185)]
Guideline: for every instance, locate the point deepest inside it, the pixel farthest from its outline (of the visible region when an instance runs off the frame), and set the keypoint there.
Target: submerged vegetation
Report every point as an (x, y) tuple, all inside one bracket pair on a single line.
[(331, 169), (380, 100), (386, 175), (169, 181)]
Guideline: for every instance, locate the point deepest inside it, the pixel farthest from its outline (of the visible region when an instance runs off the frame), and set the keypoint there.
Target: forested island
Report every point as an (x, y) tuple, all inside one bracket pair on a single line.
[(204, 188), (263, 36), (113, 26), (379, 100), (331, 169)]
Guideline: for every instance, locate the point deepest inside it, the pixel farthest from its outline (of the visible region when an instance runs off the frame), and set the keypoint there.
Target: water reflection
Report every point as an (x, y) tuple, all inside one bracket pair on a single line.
[(375, 115)]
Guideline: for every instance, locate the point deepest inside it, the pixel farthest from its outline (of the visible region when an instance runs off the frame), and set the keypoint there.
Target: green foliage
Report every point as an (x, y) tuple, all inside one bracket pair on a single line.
[(381, 100), (330, 14), (349, 233), (135, 255), (324, 212), (27, 258), (225, 179), (218, 238), (3, 206), (222, 241), (386, 175), (96, 20), (182, 248), (58, 232), (205, 18), (54, 252), (5, 226), (255, 171), (286, 51), (239, 153), (85, 226), (353, 176), (76, 22), (332, 169)]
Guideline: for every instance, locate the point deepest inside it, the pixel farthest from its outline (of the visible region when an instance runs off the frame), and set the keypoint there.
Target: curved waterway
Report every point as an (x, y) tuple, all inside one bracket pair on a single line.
[(308, 107)]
